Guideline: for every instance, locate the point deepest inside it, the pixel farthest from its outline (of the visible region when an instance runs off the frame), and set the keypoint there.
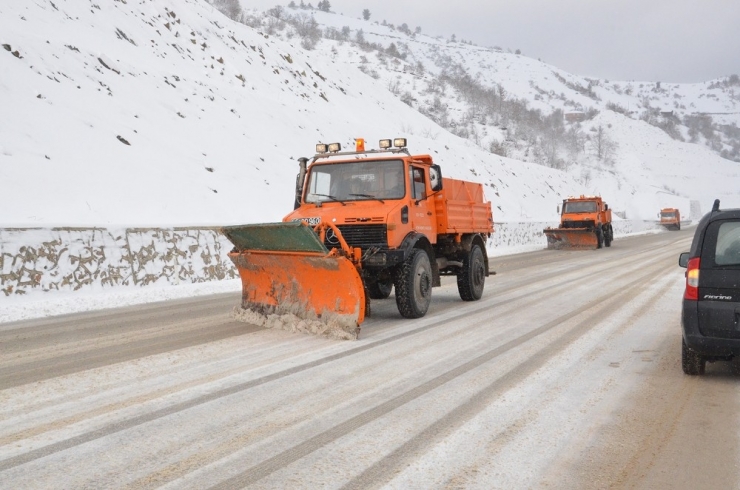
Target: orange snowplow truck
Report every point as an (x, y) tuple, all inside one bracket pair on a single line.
[(670, 218), (365, 222), (585, 223)]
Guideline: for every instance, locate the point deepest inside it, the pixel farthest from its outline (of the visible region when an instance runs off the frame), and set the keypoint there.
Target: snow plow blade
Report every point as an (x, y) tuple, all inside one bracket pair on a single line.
[(571, 239), (291, 279)]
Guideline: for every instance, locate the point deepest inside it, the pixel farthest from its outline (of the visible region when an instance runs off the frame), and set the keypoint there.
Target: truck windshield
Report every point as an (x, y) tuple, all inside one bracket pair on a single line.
[(579, 207), (668, 214), (355, 181)]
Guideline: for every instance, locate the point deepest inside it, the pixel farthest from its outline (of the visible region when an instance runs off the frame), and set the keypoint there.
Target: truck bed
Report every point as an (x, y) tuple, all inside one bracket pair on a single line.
[(461, 208)]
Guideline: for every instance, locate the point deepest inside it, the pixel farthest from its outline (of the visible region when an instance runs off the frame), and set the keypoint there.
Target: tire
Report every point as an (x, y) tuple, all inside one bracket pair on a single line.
[(599, 238), (413, 282), (379, 289), (608, 237), (471, 280), (692, 363)]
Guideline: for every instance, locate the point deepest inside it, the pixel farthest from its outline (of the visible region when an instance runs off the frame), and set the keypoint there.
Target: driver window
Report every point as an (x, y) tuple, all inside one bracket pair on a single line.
[(418, 183)]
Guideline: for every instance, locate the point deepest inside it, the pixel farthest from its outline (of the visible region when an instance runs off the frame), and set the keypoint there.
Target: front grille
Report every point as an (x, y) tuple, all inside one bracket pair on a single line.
[(362, 236)]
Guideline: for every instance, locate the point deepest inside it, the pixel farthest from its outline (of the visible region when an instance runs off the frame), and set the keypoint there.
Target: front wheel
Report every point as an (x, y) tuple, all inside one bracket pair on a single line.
[(599, 238), (608, 237), (472, 278), (413, 283)]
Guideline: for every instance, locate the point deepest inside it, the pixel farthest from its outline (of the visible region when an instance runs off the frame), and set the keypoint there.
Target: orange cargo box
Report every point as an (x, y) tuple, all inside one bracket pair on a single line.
[(461, 208)]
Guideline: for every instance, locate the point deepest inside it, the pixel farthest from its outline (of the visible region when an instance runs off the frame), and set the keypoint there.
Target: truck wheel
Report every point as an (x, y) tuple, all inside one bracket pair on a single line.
[(379, 289), (599, 238), (608, 237), (691, 362), (471, 280), (413, 282)]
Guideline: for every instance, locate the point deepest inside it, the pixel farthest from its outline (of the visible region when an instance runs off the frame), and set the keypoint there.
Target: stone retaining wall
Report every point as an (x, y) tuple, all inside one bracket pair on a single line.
[(73, 259), (37, 260)]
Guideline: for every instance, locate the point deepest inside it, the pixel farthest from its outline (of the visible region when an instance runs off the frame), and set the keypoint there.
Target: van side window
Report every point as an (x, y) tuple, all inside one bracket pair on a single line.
[(418, 183)]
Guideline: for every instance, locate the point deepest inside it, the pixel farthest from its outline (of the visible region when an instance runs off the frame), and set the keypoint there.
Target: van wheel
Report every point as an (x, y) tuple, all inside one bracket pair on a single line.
[(692, 363), (379, 289), (413, 282), (471, 280)]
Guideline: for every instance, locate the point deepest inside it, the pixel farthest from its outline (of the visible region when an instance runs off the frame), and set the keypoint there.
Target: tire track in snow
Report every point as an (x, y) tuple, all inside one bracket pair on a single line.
[(608, 303)]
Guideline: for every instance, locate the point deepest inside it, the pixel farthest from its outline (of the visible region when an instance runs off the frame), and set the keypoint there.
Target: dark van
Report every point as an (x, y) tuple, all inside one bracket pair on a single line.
[(710, 317)]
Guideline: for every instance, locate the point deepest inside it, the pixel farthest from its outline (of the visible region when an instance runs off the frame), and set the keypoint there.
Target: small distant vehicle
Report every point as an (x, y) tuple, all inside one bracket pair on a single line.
[(670, 218), (585, 223), (710, 316)]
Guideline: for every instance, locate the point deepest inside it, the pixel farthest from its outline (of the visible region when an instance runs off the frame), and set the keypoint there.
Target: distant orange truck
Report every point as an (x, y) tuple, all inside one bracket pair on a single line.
[(670, 218)]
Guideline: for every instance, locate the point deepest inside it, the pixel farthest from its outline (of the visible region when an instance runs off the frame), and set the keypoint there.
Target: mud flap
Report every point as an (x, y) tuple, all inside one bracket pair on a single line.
[(571, 239), (285, 269)]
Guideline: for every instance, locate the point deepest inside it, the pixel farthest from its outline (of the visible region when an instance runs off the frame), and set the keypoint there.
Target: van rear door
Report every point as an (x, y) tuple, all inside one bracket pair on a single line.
[(719, 281)]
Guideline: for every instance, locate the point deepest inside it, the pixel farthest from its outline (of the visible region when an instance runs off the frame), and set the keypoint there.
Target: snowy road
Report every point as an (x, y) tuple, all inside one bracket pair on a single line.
[(565, 375)]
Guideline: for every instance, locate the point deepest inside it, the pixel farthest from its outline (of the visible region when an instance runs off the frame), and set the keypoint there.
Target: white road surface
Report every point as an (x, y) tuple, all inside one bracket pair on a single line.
[(566, 374)]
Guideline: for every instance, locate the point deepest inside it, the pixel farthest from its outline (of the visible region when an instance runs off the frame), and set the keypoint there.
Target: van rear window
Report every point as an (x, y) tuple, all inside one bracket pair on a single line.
[(727, 248)]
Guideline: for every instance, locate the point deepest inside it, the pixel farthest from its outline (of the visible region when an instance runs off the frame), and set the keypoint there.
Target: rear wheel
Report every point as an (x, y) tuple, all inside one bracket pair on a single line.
[(471, 280), (380, 289), (413, 282), (692, 363)]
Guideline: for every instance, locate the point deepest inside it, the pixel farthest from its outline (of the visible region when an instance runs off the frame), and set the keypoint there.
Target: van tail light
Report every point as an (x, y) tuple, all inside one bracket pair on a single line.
[(692, 280)]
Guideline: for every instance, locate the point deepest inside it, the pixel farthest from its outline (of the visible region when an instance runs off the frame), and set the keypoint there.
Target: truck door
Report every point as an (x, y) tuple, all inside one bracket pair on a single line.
[(421, 211)]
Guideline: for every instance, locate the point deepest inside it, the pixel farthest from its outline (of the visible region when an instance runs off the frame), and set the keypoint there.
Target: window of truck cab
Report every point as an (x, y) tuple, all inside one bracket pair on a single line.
[(417, 179), (360, 180), (580, 207)]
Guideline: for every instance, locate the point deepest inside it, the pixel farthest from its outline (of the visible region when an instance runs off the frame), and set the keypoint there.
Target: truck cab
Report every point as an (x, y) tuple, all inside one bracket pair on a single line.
[(670, 218)]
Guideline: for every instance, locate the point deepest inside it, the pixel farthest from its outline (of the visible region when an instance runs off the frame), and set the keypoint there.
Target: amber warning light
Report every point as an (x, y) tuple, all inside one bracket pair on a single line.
[(359, 144)]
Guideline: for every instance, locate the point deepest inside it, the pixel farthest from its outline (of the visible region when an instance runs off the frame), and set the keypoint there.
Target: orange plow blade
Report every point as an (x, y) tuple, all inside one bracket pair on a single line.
[(571, 239), (293, 281)]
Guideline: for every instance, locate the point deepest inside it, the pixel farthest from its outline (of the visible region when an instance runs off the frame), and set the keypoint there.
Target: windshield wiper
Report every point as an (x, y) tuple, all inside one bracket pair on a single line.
[(330, 197), (369, 196)]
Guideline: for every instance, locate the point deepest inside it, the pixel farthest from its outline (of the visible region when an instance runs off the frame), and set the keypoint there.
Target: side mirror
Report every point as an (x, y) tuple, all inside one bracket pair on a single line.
[(683, 260), (606, 207), (435, 178)]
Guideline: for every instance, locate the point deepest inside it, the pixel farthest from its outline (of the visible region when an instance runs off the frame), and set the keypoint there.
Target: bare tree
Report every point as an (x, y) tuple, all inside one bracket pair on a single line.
[(366, 14), (604, 146)]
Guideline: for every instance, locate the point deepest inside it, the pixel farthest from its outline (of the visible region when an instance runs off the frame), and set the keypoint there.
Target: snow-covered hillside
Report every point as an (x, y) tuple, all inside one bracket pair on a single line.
[(163, 113)]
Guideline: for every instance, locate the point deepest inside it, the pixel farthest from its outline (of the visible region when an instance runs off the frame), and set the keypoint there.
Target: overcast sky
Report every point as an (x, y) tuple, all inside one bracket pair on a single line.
[(645, 40)]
